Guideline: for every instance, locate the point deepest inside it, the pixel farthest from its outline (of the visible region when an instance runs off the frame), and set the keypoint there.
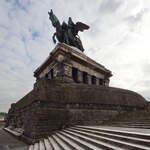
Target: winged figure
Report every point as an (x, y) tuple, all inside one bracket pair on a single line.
[(68, 33)]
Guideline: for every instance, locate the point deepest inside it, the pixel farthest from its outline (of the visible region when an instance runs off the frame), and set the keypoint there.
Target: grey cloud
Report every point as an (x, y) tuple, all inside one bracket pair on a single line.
[(146, 68), (136, 18), (19, 4), (3, 26), (109, 6), (143, 83)]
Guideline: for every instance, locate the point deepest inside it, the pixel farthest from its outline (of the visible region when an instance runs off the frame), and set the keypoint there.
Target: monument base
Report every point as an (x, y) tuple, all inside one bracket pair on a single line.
[(53, 105)]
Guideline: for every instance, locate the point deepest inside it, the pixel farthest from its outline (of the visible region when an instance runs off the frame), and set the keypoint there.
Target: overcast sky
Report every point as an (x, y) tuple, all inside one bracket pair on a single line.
[(118, 38)]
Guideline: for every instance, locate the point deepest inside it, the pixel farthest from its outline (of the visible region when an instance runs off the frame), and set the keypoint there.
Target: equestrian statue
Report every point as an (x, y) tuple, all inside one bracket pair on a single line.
[(67, 33)]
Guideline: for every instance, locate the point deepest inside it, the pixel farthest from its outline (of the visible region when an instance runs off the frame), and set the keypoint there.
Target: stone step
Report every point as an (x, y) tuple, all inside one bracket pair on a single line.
[(135, 119), (140, 124), (115, 136), (42, 145), (36, 146), (71, 141), (68, 142), (145, 123), (54, 143), (48, 145), (118, 131), (31, 147), (13, 132), (132, 126), (136, 123), (94, 142), (114, 142), (129, 123), (118, 140), (61, 143), (83, 144), (94, 138)]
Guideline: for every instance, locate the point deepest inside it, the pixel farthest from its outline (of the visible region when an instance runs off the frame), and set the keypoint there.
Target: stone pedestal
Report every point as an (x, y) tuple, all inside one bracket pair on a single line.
[(63, 59)]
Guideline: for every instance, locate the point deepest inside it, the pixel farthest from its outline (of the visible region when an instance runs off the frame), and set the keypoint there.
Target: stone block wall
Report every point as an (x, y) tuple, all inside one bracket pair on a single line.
[(42, 119), (90, 117), (53, 105)]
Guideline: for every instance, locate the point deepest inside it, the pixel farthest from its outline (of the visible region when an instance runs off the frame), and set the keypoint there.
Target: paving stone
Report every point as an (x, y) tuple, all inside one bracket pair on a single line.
[(9, 142)]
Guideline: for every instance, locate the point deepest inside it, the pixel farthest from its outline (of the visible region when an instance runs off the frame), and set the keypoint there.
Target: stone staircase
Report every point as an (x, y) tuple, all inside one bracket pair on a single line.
[(145, 124), (137, 119), (95, 138)]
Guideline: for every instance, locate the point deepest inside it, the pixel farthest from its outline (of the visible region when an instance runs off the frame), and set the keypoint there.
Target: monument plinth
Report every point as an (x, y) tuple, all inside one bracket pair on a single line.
[(71, 65)]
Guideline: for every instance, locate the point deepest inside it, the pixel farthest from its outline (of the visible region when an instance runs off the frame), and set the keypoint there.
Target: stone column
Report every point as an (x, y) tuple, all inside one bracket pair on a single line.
[(106, 82), (67, 74), (89, 79), (97, 81), (63, 71), (80, 76)]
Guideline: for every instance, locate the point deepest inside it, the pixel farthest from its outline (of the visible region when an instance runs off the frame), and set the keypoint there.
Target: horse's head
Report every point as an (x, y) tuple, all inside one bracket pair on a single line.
[(54, 20)]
